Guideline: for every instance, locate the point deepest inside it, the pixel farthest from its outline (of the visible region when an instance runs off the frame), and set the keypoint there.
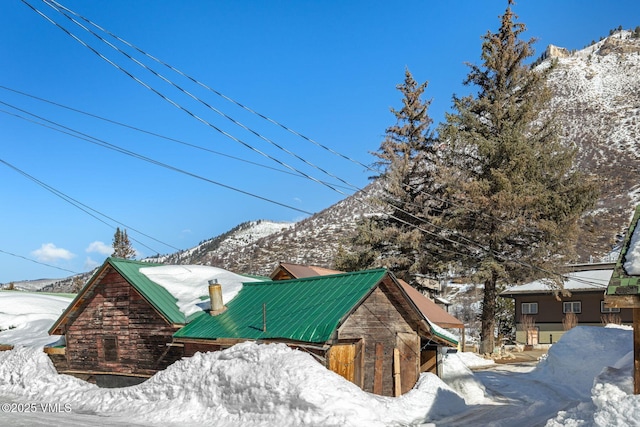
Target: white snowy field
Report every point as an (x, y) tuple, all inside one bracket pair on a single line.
[(585, 380)]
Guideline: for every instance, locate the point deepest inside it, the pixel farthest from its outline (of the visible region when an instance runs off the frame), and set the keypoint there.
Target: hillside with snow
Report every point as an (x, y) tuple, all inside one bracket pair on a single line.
[(597, 102), (215, 251), (257, 247)]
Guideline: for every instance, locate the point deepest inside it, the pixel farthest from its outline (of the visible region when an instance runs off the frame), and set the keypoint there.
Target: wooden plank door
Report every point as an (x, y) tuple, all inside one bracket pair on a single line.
[(408, 345), (342, 360)]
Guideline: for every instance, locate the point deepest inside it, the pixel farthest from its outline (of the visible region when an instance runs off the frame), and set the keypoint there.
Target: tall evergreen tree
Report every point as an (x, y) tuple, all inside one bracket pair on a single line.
[(397, 238), (122, 245), (513, 190)]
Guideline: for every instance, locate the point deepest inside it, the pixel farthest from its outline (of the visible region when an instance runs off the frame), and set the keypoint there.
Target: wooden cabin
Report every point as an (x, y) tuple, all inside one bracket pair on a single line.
[(361, 325), (119, 329)]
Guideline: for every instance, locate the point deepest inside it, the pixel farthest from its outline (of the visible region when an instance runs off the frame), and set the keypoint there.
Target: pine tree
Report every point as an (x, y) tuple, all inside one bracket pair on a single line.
[(76, 284), (515, 194), (398, 239), (122, 246)]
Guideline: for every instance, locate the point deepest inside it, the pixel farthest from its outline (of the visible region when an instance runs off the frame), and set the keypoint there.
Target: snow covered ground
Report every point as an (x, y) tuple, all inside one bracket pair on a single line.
[(584, 380)]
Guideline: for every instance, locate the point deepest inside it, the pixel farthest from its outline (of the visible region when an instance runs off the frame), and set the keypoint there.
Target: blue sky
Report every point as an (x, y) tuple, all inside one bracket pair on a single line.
[(327, 69)]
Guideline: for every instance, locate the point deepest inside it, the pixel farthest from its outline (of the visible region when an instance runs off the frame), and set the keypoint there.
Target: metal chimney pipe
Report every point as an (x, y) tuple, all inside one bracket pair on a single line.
[(215, 295)]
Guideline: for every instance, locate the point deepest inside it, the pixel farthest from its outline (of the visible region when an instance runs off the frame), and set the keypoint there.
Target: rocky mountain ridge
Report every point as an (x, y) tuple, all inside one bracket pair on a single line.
[(597, 102)]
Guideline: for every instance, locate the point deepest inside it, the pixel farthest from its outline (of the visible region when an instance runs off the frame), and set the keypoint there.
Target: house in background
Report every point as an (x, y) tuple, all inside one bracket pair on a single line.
[(361, 325), (119, 329), (286, 270), (543, 314)]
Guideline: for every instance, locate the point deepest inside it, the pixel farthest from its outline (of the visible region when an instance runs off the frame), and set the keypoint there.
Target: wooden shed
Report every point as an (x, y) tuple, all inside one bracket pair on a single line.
[(432, 312), (360, 325)]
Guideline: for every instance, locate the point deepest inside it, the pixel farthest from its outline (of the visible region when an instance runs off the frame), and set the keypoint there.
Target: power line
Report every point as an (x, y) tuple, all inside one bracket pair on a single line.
[(84, 208), (208, 88), (60, 8), (190, 113), (177, 105), (38, 262), (102, 143), (157, 135)]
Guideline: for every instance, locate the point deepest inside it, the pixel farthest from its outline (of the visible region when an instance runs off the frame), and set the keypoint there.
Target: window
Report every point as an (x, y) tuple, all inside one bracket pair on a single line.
[(572, 307), (529, 308), (604, 309), (110, 346)]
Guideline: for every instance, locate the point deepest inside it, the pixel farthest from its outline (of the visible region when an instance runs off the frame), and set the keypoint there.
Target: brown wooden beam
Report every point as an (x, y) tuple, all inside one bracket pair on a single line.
[(397, 381), (377, 372), (122, 374), (622, 301), (429, 364)]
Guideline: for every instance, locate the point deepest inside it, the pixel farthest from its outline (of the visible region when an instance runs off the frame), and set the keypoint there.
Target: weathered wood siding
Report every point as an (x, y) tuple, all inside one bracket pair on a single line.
[(191, 348), (118, 331), (382, 327)]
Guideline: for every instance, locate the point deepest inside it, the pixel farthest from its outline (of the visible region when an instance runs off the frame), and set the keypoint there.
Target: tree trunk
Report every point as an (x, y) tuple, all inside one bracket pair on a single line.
[(487, 339)]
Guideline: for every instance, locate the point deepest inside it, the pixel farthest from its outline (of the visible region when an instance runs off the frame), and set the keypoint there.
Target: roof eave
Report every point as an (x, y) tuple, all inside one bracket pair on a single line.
[(63, 317)]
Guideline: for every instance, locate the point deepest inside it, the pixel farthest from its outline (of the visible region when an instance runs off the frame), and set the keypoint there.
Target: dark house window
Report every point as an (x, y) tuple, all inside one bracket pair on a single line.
[(572, 307), (110, 345), (529, 308), (604, 309)]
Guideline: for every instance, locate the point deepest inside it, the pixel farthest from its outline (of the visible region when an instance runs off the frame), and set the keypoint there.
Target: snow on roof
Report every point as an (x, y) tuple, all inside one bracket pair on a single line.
[(443, 301), (189, 283), (632, 257), (574, 281), (443, 332)]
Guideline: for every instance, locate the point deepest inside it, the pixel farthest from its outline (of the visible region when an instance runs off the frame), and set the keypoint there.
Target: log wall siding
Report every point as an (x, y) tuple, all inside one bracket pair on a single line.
[(115, 309), (377, 321)]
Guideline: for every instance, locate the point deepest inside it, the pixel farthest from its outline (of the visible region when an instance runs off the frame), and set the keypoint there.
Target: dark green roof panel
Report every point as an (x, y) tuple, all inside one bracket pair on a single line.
[(308, 309)]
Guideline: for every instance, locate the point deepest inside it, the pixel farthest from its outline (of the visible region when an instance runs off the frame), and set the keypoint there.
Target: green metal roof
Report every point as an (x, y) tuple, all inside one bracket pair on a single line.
[(157, 295), (308, 309), (622, 283)]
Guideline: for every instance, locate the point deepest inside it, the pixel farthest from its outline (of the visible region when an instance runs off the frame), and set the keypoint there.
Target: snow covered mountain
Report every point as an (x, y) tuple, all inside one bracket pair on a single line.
[(257, 247), (597, 102)]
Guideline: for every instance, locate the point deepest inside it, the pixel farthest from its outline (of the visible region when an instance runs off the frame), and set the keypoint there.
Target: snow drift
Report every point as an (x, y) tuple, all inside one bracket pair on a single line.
[(248, 384)]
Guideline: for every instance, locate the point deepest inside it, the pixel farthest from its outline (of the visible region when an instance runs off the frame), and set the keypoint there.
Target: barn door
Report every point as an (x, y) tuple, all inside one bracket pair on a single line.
[(345, 359), (407, 362)]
